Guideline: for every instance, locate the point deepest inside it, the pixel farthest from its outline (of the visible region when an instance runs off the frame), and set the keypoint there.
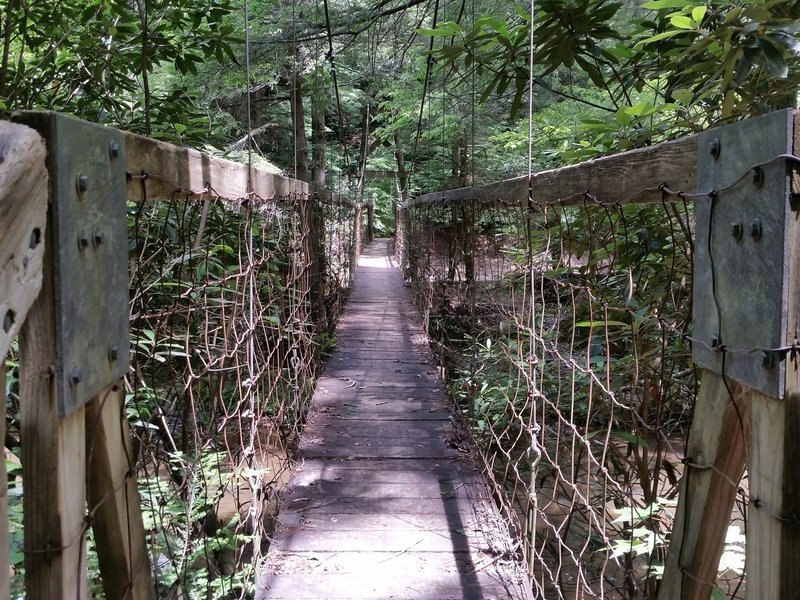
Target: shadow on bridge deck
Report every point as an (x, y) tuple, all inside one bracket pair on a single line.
[(380, 505)]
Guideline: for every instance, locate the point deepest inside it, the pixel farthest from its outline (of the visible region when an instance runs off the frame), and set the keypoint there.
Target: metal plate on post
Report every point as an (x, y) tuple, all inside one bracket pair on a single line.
[(740, 260), (88, 232)]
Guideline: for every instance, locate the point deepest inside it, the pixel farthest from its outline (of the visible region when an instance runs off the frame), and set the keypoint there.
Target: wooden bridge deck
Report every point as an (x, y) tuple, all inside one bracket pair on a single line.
[(381, 505)]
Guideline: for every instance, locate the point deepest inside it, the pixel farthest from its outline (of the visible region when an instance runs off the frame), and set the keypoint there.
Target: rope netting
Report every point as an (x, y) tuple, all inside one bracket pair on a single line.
[(563, 334), (232, 305)]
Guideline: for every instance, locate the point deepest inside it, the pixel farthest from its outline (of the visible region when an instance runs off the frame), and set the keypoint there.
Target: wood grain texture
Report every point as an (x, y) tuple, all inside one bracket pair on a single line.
[(114, 500), (5, 567), (173, 171), (717, 453), (23, 210), (53, 459), (773, 544), (383, 504), (628, 177)]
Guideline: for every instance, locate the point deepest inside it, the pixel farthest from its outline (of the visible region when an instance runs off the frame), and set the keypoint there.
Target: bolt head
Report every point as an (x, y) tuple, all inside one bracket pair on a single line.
[(83, 183), (97, 238), (83, 241), (758, 176), (715, 148), (113, 353), (737, 231), (75, 376), (113, 150), (756, 230)]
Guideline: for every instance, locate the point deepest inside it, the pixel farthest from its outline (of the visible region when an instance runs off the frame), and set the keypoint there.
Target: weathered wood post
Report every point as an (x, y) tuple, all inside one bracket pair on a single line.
[(23, 209), (313, 234), (74, 349), (746, 326)]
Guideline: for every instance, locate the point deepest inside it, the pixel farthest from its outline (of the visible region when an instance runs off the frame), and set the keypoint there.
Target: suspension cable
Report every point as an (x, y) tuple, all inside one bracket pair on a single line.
[(332, 60), (424, 89)]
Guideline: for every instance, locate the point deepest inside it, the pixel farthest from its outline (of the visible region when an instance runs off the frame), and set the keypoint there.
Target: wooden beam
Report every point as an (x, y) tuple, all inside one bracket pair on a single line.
[(773, 540), (23, 213), (53, 460), (173, 171), (114, 499), (5, 566), (23, 210), (628, 177), (715, 460)]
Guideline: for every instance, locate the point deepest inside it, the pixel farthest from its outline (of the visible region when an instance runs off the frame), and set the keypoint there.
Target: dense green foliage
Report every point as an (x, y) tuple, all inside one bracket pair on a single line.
[(382, 100)]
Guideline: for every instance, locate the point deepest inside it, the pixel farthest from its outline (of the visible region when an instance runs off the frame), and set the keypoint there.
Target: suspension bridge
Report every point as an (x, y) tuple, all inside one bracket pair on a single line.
[(558, 462)]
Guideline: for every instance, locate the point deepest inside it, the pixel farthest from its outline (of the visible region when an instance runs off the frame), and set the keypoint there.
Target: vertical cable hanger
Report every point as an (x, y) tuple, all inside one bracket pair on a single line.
[(535, 450), (247, 97), (332, 60), (424, 89)]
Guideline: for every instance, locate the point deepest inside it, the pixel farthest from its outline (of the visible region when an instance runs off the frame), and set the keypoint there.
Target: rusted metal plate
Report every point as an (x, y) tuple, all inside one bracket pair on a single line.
[(740, 262), (88, 230)]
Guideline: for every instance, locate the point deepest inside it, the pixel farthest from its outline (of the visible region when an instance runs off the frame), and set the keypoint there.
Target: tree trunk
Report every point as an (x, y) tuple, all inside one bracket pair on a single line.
[(318, 136), (402, 174), (299, 129)]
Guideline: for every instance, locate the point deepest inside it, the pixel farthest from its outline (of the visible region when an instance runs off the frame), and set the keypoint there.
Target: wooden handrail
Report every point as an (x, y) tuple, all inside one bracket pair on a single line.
[(635, 176)]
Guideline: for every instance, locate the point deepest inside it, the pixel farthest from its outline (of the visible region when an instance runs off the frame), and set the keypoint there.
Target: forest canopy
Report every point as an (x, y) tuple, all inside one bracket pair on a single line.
[(436, 92)]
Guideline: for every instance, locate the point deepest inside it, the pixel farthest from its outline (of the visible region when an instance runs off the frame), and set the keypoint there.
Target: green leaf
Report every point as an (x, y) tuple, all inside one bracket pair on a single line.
[(662, 4), (698, 13), (661, 36), (630, 438), (776, 64), (682, 22), (601, 324), (683, 96)]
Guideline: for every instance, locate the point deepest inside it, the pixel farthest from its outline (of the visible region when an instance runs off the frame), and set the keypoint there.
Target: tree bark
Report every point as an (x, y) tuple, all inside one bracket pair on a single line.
[(299, 128), (318, 137)]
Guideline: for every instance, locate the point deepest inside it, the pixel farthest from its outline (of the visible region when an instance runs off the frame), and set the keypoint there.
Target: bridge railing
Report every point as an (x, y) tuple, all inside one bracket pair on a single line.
[(621, 339), (163, 371)]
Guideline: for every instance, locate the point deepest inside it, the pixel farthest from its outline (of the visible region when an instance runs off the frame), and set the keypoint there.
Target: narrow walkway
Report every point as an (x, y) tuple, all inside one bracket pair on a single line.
[(380, 505)]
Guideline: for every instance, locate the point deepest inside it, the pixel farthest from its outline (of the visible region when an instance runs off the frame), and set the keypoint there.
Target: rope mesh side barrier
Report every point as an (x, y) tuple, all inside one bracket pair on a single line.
[(227, 334), (564, 337)]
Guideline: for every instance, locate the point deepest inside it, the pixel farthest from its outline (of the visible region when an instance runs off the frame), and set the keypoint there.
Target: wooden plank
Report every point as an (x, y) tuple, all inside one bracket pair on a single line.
[(23, 210), (367, 489), (374, 561), (773, 535), (175, 171), (5, 567), (114, 500), (628, 177), (427, 586), (369, 429), (54, 462), (386, 448), (716, 455), (395, 470)]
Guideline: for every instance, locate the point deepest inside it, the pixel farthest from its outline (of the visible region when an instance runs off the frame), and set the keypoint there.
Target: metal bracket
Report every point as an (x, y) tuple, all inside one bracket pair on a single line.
[(740, 259), (88, 234)]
